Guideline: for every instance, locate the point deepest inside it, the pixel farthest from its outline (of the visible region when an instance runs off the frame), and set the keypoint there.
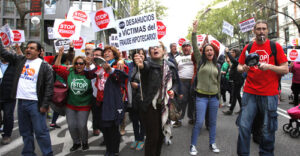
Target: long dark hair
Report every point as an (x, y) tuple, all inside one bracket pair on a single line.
[(237, 52), (204, 58)]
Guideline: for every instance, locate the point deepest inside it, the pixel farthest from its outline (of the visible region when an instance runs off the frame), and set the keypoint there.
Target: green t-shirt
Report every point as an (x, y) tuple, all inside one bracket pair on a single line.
[(225, 68)]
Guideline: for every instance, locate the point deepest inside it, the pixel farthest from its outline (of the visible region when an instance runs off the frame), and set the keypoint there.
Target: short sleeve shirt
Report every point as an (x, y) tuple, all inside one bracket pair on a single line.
[(260, 82)]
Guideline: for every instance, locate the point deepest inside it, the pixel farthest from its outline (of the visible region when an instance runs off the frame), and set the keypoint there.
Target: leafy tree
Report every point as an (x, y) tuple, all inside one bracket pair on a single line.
[(138, 8)]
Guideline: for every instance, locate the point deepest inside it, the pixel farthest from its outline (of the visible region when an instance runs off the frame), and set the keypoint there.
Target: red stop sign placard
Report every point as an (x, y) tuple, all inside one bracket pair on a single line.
[(66, 29), (5, 39), (101, 19), (200, 38), (161, 29), (181, 40), (293, 55), (78, 43), (100, 45), (215, 43), (80, 16), (17, 35)]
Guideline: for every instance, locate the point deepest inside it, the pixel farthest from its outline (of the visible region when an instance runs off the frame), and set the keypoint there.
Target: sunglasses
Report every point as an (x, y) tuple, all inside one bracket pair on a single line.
[(79, 63)]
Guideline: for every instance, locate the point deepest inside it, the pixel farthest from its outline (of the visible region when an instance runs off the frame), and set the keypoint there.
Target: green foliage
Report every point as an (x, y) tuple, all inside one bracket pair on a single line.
[(138, 8)]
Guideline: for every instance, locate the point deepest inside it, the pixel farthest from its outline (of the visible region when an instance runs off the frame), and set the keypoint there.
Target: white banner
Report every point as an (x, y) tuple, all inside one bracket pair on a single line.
[(103, 19), (6, 35), (76, 14), (66, 29), (247, 25), (227, 28), (113, 40), (50, 33), (200, 39), (19, 36), (293, 55), (62, 42), (50, 7), (137, 32)]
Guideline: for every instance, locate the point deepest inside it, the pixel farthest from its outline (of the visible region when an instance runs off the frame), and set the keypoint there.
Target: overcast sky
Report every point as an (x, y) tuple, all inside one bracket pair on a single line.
[(180, 15)]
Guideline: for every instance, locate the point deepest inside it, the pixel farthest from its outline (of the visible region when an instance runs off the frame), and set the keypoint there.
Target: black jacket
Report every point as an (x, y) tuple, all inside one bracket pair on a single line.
[(151, 77), (7, 83), (44, 82), (233, 73)]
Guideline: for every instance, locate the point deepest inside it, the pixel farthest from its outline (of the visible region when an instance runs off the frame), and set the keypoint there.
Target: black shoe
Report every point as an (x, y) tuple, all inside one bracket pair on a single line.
[(75, 147), (102, 143), (54, 126), (85, 146), (228, 112)]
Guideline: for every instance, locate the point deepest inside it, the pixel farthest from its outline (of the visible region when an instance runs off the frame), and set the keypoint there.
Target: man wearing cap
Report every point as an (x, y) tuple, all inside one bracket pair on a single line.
[(185, 71)]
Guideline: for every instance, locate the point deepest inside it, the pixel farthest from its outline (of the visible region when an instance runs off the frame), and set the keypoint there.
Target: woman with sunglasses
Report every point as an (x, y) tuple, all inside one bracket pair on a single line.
[(111, 91), (159, 83), (78, 100), (207, 88)]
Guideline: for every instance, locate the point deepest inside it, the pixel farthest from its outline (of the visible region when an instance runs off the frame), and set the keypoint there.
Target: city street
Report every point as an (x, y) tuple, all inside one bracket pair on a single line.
[(226, 138)]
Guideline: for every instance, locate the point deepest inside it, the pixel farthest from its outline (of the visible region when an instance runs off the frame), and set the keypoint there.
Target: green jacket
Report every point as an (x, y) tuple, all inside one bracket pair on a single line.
[(208, 76)]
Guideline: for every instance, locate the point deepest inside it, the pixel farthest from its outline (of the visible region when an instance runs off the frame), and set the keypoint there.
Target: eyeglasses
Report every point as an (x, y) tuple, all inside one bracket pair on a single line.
[(158, 46), (79, 63)]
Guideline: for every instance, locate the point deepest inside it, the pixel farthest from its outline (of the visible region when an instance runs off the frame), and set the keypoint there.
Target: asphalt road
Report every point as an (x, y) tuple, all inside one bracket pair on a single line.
[(226, 138)]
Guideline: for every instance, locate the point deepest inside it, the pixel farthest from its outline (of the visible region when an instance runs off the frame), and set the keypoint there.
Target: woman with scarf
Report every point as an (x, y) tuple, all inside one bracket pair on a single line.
[(207, 88), (110, 83), (159, 84)]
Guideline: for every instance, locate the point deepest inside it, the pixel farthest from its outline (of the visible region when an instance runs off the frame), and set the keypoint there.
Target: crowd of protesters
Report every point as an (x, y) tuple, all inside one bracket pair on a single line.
[(143, 85)]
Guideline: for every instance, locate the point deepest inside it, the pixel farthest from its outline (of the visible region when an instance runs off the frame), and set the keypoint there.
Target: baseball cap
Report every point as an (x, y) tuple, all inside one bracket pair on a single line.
[(186, 43)]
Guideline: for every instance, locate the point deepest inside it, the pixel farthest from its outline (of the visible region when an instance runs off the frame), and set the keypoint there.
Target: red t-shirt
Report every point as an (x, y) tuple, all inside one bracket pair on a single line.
[(49, 59), (260, 82)]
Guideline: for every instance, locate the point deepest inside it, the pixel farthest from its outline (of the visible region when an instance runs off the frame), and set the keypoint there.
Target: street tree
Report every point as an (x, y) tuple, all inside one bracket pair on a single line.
[(23, 9), (139, 7)]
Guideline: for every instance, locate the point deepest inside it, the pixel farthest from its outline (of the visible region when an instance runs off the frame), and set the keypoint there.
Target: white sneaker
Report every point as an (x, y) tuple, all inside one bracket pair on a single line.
[(193, 150), (213, 147)]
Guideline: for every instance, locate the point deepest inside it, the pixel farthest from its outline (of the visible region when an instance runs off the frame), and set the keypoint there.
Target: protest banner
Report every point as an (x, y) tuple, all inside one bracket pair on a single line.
[(100, 45), (114, 41), (227, 28), (247, 25), (293, 54), (216, 44), (161, 29), (200, 39), (62, 42), (181, 41), (50, 33), (19, 36), (294, 41), (103, 19), (66, 29), (35, 7), (6, 35), (79, 44), (137, 32), (79, 15)]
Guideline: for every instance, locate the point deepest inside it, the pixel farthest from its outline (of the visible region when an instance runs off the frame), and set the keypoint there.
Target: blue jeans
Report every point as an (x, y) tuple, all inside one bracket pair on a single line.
[(266, 106), (201, 105), (8, 108), (32, 121)]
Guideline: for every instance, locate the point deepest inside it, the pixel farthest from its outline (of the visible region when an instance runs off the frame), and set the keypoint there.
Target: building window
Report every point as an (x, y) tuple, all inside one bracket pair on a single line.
[(9, 7), (285, 11), (9, 21), (286, 34)]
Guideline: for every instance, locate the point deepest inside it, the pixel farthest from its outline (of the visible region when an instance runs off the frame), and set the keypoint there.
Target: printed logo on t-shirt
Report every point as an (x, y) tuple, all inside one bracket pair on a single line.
[(28, 73), (79, 86)]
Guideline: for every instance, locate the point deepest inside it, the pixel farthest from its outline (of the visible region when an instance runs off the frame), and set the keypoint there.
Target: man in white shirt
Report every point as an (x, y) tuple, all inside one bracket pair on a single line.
[(185, 70), (33, 89)]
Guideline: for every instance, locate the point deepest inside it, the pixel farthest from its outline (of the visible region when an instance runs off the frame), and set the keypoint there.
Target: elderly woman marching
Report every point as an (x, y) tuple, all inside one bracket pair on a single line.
[(159, 83)]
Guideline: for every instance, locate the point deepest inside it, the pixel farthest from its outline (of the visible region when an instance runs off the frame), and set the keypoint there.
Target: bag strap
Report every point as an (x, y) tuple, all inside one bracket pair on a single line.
[(274, 51)]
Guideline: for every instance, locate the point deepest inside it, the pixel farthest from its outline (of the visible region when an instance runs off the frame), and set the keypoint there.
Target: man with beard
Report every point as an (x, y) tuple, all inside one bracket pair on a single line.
[(260, 91)]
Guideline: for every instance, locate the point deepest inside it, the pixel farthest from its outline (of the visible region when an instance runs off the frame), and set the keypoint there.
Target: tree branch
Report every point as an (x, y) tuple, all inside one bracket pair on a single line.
[(295, 2)]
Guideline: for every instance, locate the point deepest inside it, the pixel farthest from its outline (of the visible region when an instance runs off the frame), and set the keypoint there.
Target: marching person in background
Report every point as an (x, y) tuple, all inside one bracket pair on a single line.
[(295, 69), (225, 84), (236, 78), (207, 91), (159, 83), (260, 95), (173, 52), (135, 110), (33, 88), (78, 101), (185, 71)]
